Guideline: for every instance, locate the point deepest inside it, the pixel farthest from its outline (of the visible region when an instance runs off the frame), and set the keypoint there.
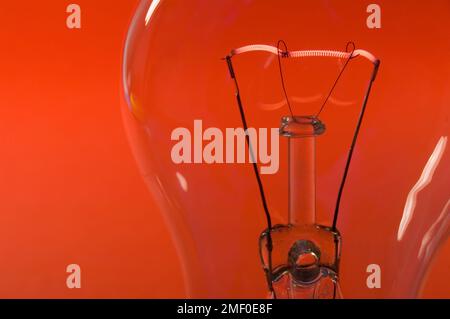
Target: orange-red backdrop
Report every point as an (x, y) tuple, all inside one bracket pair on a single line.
[(69, 187)]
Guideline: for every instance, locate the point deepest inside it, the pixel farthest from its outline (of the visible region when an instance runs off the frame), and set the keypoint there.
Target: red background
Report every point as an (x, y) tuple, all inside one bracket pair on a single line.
[(69, 187)]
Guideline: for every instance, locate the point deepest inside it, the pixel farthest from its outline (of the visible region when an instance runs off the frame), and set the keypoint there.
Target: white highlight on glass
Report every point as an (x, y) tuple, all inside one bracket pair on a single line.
[(424, 180), (439, 227), (182, 180), (151, 10)]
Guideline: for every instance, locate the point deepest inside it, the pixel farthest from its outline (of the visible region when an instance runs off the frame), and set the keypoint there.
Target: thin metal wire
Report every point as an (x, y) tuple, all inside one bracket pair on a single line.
[(279, 55), (337, 79), (352, 147), (269, 245)]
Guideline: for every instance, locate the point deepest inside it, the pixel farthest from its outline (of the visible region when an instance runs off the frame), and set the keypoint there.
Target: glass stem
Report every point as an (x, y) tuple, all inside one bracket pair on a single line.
[(302, 180)]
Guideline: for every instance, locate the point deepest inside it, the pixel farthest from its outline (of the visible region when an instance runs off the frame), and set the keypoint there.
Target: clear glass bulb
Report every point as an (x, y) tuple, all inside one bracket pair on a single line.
[(394, 211)]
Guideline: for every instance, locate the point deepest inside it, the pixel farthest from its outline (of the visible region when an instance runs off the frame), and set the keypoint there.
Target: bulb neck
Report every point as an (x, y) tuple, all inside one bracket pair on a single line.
[(301, 132)]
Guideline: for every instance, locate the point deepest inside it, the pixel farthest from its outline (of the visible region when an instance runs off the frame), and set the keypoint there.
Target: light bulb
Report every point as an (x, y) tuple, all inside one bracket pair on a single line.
[(394, 210)]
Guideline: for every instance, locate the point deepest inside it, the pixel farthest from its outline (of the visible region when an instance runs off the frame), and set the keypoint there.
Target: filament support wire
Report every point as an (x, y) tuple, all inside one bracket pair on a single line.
[(302, 54)]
